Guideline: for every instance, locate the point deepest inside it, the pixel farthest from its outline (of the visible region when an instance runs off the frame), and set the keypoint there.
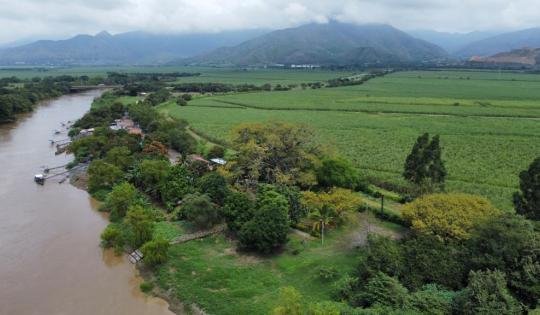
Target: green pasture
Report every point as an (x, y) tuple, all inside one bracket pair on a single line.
[(212, 274)]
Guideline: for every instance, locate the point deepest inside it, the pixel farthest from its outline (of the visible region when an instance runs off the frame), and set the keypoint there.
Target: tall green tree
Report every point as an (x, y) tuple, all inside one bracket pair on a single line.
[(268, 228), (214, 185), (424, 165), (120, 199), (120, 157), (103, 175), (149, 175), (337, 172), (141, 226), (527, 201), (178, 182), (238, 209)]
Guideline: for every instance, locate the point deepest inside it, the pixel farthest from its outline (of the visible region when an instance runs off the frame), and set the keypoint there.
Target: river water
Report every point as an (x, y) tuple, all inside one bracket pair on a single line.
[(50, 259)]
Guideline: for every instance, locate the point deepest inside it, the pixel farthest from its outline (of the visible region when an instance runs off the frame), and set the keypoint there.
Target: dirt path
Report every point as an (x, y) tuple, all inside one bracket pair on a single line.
[(368, 224)]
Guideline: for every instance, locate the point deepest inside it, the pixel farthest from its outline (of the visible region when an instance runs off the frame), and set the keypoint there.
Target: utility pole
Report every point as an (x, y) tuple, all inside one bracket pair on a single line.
[(382, 204)]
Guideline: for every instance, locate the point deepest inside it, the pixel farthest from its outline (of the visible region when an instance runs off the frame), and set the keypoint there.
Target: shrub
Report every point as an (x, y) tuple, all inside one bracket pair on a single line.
[(344, 288), (421, 253), (383, 290), (268, 228), (447, 216), (200, 210), (432, 300), (327, 273), (181, 102), (112, 237), (290, 302), (146, 287), (155, 252), (382, 255), (324, 308), (487, 294)]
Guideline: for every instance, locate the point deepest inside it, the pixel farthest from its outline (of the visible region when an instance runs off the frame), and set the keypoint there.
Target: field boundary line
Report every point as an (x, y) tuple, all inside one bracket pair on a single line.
[(361, 111)]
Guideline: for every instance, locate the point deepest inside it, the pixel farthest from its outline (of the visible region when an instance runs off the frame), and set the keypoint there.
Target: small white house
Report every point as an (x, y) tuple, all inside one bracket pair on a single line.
[(219, 161)]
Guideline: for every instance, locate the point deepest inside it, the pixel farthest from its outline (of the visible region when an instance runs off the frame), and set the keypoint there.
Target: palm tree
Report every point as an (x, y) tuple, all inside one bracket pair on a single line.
[(323, 217)]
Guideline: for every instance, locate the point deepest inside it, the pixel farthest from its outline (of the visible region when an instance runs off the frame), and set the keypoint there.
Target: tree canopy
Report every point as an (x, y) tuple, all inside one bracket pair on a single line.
[(274, 152), (527, 201), (447, 216), (268, 228), (424, 165)]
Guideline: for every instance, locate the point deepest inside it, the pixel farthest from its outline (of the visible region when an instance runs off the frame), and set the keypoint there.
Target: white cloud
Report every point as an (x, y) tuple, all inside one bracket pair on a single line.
[(64, 18)]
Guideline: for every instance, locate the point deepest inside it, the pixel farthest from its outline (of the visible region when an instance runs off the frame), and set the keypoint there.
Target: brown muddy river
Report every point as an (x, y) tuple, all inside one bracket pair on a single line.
[(50, 259)]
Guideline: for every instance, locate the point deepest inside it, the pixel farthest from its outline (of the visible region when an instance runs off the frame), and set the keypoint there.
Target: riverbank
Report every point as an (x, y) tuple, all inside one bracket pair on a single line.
[(49, 234), (79, 180)]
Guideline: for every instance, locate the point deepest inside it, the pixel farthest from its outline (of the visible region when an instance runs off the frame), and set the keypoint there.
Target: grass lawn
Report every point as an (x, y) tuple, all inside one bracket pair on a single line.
[(210, 273)]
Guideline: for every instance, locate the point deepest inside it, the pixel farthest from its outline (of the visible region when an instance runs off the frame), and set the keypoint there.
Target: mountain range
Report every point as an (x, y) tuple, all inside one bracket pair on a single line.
[(333, 43), (327, 44), (452, 42), (529, 38), (133, 48)]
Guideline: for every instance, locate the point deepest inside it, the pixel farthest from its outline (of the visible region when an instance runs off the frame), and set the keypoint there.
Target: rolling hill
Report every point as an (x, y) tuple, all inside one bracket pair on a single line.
[(133, 48), (502, 43), (333, 43), (525, 56)]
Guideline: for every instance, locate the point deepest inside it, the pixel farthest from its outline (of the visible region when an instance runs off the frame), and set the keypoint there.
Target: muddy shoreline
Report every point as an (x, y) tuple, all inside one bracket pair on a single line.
[(79, 179)]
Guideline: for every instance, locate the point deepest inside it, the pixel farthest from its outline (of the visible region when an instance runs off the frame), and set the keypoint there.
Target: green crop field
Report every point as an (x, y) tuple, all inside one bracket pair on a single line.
[(261, 76), (217, 75), (489, 123)]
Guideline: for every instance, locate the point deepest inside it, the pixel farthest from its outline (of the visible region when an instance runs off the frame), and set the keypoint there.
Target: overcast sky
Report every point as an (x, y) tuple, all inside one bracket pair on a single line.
[(23, 19)]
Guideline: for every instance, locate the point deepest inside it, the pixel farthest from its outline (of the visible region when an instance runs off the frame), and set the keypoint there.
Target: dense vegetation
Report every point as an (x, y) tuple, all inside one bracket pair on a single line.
[(452, 253), (19, 96)]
